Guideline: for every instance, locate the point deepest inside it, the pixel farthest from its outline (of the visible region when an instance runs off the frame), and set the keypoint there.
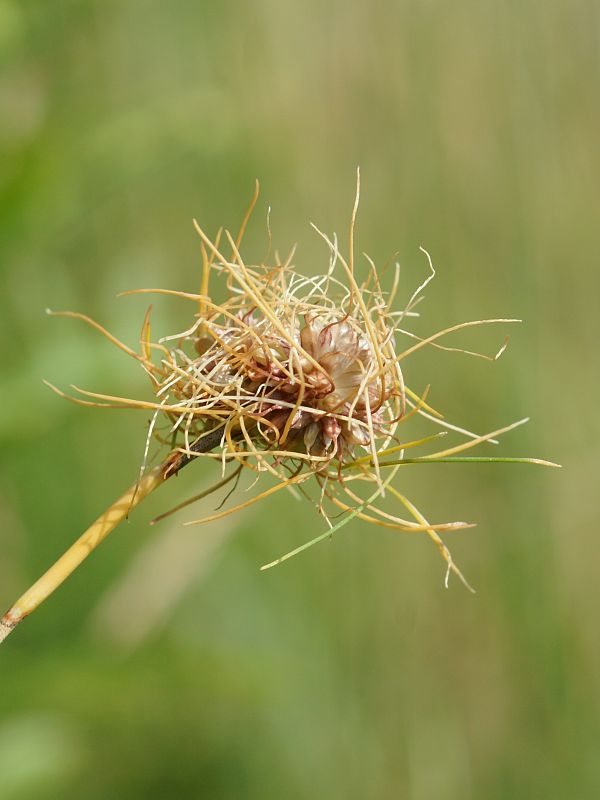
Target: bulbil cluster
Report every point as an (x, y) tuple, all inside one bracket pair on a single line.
[(294, 378)]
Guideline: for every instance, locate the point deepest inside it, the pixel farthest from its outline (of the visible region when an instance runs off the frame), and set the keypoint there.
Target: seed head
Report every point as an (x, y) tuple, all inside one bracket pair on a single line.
[(299, 377)]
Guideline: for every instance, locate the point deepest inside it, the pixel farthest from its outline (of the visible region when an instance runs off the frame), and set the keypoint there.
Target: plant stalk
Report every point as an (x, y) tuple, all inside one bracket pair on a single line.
[(99, 530)]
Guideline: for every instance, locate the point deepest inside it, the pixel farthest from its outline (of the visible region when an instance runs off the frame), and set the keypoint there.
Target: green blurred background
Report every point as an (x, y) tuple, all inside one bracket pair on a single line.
[(169, 666)]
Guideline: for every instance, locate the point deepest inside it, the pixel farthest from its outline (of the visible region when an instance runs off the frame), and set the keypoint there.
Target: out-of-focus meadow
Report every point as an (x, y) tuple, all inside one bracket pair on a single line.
[(169, 666)]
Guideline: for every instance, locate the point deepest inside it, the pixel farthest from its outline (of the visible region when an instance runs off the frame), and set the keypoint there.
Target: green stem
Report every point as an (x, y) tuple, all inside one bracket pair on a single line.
[(459, 460)]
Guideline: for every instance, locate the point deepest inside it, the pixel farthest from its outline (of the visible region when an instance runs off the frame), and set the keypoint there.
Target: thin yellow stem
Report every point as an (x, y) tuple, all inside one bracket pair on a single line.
[(80, 550), (99, 530)]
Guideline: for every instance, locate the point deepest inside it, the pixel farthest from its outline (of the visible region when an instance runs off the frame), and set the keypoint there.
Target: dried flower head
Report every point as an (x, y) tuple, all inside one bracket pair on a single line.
[(298, 377)]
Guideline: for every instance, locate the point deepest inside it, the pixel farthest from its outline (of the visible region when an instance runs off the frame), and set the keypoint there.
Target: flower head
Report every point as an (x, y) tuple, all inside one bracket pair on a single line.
[(297, 377)]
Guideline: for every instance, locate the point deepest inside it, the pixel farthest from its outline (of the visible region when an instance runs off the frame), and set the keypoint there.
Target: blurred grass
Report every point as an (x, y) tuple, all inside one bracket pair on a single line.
[(349, 672)]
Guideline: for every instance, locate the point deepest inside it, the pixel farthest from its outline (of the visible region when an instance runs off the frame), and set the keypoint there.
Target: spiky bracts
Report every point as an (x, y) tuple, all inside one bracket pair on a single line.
[(296, 377)]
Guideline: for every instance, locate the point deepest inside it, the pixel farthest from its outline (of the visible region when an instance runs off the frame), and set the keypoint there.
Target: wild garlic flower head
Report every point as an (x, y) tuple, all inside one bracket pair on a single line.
[(299, 377), (290, 367)]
